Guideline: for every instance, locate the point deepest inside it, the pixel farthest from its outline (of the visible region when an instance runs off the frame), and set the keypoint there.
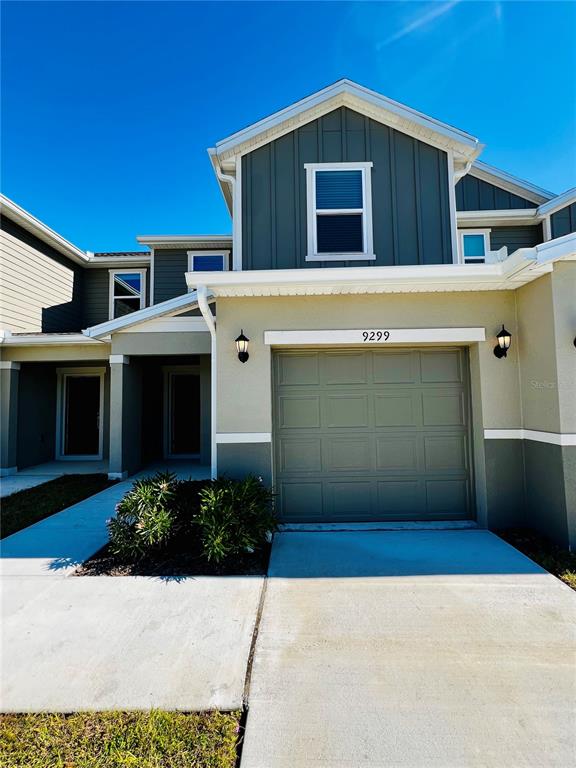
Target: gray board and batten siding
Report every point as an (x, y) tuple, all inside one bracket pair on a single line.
[(473, 194), (410, 197), (563, 222)]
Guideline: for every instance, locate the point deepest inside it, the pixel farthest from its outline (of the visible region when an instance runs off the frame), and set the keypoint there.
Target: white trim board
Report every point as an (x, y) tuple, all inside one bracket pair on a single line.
[(243, 437), (378, 336), (553, 438)]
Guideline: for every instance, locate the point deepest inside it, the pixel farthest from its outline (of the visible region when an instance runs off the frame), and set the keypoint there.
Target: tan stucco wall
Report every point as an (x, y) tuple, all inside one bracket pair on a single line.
[(546, 330), (185, 343), (564, 293), (245, 391), (65, 352)]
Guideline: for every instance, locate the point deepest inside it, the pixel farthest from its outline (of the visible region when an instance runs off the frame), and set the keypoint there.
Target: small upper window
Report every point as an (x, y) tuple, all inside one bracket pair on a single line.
[(474, 246), (339, 212), (127, 291), (208, 261)]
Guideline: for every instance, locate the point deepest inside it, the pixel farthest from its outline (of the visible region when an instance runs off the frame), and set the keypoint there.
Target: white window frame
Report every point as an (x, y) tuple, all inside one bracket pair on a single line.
[(111, 297), (63, 374), (366, 211), (487, 250), (225, 258)]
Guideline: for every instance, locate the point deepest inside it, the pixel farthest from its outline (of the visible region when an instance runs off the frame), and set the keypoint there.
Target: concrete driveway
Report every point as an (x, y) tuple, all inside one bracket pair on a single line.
[(412, 649)]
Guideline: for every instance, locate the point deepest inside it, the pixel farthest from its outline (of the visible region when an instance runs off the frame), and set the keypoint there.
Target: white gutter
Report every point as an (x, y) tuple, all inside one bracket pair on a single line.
[(202, 294)]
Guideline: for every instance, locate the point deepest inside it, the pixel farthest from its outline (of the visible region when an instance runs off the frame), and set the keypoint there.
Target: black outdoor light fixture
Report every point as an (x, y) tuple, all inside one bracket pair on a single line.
[(504, 338), (242, 347)]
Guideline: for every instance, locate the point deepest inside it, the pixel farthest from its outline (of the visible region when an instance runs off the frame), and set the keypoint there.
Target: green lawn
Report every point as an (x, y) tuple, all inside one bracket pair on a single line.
[(27, 507), (120, 740), (550, 556)]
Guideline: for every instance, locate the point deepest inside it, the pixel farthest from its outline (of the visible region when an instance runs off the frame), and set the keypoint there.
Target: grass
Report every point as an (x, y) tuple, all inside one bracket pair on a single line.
[(550, 556), (27, 507), (120, 740)]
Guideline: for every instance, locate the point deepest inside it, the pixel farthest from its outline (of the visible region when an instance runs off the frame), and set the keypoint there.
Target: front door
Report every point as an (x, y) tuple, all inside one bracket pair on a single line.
[(81, 416), (183, 414)]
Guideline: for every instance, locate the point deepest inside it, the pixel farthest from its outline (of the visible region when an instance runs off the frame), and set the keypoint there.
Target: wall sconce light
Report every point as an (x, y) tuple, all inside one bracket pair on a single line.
[(504, 338), (242, 347)]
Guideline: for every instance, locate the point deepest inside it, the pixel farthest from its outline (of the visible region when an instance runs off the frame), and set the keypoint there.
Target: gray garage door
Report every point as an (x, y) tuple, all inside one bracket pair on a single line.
[(373, 434)]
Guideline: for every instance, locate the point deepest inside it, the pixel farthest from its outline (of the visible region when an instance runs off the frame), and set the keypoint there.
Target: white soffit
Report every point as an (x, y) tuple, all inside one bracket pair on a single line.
[(361, 99)]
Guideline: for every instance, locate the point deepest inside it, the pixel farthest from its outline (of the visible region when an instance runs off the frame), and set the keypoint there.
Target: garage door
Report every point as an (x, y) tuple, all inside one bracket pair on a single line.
[(364, 435)]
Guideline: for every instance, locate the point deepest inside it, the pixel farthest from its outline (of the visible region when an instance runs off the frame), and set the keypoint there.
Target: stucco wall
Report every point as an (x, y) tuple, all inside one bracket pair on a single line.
[(249, 385)]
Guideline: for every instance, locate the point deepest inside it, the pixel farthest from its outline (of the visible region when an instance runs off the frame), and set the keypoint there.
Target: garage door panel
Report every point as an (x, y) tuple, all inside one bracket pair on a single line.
[(299, 412), (349, 499), (443, 409), (397, 453), (441, 367), (372, 434), (401, 498), (298, 369), (346, 454), (447, 497), (397, 409), (301, 500), (343, 368), (346, 411), (395, 367), (301, 455), (445, 453)]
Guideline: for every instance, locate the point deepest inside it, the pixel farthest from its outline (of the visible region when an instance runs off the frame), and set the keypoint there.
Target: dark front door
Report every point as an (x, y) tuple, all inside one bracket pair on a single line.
[(82, 416), (184, 415)]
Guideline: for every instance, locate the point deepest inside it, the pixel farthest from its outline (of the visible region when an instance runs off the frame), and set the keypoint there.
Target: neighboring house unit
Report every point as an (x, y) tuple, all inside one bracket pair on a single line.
[(372, 263)]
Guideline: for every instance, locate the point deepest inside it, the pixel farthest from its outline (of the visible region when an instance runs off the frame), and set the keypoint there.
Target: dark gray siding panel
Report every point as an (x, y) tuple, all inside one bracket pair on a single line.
[(411, 212), (169, 274), (96, 296), (36, 414), (515, 237), (474, 194), (564, 221)]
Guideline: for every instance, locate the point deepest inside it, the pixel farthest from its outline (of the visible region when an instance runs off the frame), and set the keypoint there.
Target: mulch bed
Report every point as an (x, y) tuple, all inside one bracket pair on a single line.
[(550, 556), (186, 560)]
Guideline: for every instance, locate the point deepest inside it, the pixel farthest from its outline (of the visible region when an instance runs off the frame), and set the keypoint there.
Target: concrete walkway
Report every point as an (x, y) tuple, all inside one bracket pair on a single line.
[(57, 545), (412, 649), (97, 643)]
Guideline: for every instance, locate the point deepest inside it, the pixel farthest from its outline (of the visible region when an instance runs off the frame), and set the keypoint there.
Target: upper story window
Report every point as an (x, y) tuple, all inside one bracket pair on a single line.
[(127, 291), (474, 245), (208, 261), (339, 198)]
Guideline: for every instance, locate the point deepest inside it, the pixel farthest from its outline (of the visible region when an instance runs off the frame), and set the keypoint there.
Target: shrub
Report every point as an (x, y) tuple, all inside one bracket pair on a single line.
[(144, 517), (235, 516)]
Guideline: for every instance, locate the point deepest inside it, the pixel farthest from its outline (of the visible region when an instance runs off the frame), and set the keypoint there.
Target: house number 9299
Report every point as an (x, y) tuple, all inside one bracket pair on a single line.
[(375, 335)]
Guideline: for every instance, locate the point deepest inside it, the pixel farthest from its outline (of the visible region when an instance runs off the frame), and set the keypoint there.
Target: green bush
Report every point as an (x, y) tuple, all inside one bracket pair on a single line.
[(145, 517), (235, 516)]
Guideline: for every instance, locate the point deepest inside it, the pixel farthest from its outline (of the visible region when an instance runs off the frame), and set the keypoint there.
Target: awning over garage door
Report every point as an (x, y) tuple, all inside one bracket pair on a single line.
[(363, 435)]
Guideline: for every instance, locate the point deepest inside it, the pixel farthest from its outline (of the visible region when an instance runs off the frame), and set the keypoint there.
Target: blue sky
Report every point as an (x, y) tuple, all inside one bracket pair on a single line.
[(108, 107)]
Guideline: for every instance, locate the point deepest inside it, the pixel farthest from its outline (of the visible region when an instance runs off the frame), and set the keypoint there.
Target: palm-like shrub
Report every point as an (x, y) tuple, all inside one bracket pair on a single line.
[(145, 516), (235, 516)]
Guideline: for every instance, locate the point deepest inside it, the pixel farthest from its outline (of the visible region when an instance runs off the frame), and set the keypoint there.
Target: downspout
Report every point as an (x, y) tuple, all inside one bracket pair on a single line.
[(202, 294), (236, 221)]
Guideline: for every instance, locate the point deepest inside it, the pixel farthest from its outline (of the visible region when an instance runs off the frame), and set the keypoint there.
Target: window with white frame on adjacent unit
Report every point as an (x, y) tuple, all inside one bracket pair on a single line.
[(474, 245), (127, 291), (208, 261), (339, 205)]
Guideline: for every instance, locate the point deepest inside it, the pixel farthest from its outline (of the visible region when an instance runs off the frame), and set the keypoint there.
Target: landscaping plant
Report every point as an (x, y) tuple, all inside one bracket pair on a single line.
[(145, 517), (235, 516)]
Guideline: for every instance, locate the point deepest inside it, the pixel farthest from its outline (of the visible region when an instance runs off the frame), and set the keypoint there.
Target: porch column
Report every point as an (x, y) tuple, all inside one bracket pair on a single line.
[(9, 377), (119, 395)]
